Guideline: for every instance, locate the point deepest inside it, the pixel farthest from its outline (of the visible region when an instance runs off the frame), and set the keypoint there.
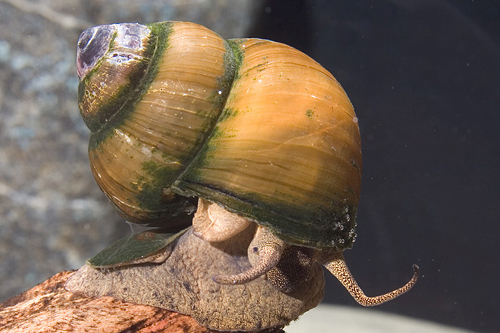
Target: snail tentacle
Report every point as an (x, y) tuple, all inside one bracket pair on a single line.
[(268, 249), (339, 269)]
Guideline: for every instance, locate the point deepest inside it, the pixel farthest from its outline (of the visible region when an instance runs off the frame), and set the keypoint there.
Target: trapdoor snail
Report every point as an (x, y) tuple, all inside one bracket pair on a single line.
[(260, 133)]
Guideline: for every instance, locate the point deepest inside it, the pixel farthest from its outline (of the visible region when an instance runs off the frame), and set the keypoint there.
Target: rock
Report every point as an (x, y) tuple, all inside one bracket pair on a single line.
[(52, 214)]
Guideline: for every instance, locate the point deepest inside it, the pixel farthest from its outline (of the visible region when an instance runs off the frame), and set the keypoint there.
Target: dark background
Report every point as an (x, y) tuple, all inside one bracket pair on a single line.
[(423, 77)]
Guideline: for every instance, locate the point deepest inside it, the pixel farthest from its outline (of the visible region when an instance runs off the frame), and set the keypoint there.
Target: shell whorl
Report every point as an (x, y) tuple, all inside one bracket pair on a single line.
[(111, 62), (151, 114)]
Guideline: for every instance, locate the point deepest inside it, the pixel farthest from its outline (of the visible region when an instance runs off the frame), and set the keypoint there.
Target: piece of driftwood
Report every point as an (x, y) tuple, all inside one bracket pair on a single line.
[(49, 307)]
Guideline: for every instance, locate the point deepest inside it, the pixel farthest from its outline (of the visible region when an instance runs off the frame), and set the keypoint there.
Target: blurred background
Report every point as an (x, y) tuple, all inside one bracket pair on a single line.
[(423, 76)]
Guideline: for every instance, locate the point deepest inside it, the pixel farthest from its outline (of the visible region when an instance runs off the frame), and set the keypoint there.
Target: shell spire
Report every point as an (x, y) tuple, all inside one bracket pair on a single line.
[(150, 108)]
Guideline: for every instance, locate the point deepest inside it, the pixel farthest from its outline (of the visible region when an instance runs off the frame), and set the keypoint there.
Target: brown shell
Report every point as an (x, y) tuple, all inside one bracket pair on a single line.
[(254, 125)]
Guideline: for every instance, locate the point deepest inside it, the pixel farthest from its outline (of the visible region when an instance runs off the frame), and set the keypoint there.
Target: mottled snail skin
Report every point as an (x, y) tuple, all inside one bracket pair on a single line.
[(253, 125)]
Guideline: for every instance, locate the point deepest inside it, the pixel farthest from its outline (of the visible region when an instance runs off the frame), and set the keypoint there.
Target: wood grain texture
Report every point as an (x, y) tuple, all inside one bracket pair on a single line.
[(49, 307)]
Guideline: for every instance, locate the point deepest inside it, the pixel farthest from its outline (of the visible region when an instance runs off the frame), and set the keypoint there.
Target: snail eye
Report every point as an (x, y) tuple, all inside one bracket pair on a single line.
[(92, 46)]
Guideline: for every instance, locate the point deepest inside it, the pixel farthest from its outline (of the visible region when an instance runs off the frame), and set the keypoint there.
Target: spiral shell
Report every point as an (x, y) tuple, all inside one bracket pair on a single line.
[(255, 126)]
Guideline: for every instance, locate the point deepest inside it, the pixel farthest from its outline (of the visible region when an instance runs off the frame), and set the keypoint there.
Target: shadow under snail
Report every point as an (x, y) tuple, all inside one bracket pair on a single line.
[(260, 133)]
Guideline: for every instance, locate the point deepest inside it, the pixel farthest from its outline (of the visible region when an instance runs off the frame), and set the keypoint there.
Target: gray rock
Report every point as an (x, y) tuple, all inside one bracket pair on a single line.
[(52, 214)]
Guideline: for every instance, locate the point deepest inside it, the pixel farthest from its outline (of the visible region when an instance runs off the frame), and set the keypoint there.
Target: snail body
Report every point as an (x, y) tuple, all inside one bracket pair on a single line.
[(259, 132), (185, 286)]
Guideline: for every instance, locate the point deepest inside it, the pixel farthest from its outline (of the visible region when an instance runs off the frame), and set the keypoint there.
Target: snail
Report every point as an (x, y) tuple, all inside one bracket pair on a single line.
[(259, 132)]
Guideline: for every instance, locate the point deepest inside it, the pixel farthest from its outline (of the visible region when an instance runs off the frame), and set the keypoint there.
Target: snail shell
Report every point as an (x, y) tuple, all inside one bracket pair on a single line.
[(255, 126)]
